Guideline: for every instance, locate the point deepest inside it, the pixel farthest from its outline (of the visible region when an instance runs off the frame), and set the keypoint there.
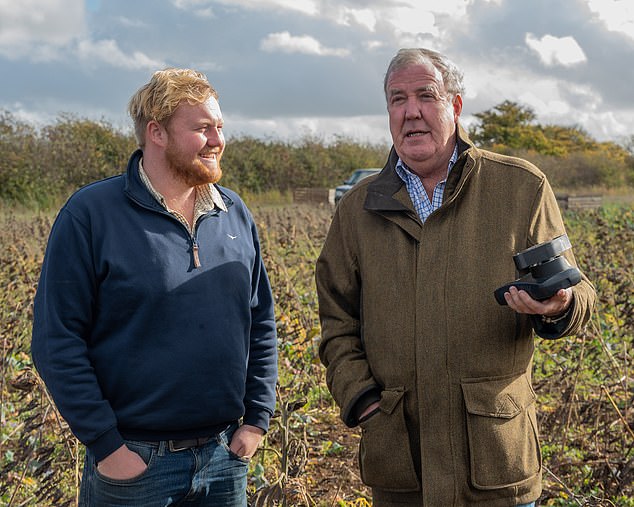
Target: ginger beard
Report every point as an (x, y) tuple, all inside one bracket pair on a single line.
[(194, 171)]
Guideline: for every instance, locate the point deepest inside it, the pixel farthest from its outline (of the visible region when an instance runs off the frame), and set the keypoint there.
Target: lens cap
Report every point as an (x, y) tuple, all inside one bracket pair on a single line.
[(541, 253)]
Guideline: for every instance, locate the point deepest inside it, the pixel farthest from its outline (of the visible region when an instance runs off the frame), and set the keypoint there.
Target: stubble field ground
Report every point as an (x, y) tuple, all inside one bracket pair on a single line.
[(584, 383)]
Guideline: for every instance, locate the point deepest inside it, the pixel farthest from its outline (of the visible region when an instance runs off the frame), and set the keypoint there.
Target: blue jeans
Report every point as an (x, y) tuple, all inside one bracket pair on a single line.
[(209, 475), (527, 505)]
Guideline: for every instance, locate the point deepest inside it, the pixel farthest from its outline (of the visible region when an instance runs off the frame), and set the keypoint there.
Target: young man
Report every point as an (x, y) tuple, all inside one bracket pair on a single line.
[(417, 350), (153, 320)]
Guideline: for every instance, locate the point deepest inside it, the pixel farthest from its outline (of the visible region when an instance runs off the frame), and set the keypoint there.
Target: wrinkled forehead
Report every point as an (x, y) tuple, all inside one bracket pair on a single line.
[(423, 75)]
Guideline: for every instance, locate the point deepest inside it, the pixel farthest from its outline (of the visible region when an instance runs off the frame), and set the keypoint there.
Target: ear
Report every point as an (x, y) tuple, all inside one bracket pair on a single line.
[(156, 133), (457, 106)]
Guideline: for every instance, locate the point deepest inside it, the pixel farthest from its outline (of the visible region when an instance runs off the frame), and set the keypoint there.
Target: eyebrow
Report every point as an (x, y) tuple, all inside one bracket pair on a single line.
[(424, 88), (205, 122)]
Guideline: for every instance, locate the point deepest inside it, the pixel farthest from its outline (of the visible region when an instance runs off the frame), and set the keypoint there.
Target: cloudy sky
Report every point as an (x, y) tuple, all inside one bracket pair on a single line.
[(287, 68)]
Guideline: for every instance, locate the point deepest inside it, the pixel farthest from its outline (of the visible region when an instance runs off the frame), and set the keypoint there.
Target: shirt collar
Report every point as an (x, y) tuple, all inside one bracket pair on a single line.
[(404, 172), (207, 196)]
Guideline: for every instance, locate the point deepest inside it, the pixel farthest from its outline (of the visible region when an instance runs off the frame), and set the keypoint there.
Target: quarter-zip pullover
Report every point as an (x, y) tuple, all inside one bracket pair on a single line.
[(131, 339)]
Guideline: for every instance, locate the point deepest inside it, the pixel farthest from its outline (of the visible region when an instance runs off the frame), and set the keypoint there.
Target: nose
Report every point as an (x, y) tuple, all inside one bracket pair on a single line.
[(412, 109), (215, 137)]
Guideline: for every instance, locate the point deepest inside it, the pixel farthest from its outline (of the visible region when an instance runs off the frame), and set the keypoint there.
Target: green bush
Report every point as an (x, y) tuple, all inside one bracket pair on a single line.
[(41, 167), (38, 168)]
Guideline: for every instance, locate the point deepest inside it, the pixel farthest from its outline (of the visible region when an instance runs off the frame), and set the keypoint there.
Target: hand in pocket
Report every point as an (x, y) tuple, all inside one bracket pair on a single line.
[(122, 464)]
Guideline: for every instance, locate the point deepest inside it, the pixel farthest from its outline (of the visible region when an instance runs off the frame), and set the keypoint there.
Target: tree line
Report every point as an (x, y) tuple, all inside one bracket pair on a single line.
[(40, 166)]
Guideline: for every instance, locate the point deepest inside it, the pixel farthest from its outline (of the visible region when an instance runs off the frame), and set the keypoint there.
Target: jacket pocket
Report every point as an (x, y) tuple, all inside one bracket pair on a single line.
[(502, 431), (385, 457)]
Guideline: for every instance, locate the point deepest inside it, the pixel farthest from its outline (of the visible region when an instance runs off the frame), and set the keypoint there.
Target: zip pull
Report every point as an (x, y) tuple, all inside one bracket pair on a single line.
[(195, 254)]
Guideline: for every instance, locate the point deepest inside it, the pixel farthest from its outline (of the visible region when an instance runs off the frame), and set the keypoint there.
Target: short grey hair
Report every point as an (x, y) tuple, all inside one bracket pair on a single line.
[(452, 76)]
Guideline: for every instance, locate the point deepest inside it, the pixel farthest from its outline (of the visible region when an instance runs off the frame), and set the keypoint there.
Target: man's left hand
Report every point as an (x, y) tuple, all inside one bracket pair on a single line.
[(245, 441), (521, 302)]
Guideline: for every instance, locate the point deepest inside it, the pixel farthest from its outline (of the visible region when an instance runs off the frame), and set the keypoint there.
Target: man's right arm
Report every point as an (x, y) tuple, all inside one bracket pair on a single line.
[(62, 317), (341, 350)]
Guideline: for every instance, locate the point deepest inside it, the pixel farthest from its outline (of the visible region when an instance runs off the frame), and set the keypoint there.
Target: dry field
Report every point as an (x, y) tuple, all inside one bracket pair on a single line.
[(585, 383)]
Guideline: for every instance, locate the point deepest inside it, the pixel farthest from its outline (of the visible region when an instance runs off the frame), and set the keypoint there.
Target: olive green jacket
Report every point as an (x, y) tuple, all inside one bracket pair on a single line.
[(407, 310)]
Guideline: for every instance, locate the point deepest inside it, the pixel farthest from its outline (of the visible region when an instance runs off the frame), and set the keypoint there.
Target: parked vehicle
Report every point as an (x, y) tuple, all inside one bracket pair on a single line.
[(356, 177)]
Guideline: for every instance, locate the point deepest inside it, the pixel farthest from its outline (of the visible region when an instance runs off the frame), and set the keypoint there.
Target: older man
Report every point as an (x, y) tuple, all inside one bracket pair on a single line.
[(417, 350), (154, 328)]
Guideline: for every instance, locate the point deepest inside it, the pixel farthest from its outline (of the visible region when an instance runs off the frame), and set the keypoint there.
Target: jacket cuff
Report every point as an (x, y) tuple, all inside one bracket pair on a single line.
[(551, 328), (106, 444), (258, 418), (362, 401)]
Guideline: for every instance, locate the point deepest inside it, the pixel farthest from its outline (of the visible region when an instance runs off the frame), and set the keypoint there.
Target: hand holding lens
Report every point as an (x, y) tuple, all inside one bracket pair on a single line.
[(546, 271)]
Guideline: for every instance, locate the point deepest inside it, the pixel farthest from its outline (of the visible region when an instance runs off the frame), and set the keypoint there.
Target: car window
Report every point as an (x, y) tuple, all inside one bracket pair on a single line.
[(359, 175)]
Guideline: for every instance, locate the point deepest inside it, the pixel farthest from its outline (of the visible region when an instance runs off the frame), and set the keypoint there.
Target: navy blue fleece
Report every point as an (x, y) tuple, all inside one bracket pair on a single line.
[(131, 339)]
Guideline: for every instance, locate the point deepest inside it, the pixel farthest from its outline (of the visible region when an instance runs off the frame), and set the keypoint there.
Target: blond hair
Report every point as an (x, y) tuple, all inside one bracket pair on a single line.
[(158, 99)]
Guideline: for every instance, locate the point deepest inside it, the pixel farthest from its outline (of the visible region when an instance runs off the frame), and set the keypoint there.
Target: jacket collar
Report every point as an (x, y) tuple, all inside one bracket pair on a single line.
[(387, 192)]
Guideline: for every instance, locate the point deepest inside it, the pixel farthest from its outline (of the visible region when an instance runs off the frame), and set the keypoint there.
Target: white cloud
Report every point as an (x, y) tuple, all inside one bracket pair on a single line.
[(490, 84), (206, 66), (417, 40), (287, 43), (108, 51), (405, 16), (191, 4), (364, 17), (415, 17), (51, 30), (36, 24), (33, 31), (618, 15), (610, 125), (369, 128), (309, 7), (487, 83), (545, 107), (553, 101), (199, 7), (556, 50), (46, 111), (374, 129), (34, 118), (412, 20), (371, 45), (132, 23)]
